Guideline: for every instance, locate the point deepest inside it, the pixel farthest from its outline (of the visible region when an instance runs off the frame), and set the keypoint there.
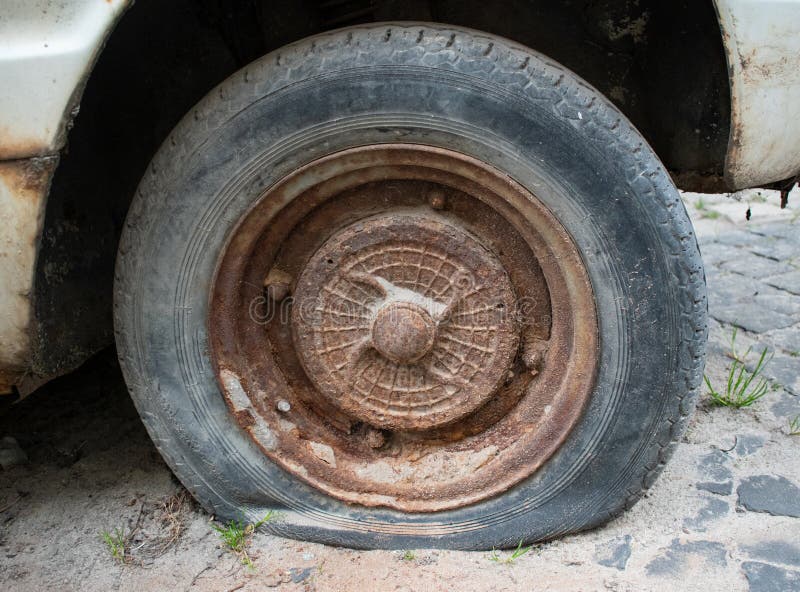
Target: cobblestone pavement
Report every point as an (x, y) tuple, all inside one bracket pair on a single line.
[(724, 515)]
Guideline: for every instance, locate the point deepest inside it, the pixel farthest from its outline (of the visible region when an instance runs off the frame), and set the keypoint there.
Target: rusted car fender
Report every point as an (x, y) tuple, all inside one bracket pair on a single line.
[(47, 52), (763, 51)]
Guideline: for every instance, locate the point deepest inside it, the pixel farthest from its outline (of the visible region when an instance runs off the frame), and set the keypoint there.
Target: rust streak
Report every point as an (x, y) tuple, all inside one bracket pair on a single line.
[(23, 189)]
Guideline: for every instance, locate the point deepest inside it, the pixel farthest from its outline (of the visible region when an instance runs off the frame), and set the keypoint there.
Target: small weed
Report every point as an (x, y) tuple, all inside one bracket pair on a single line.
[(794, 426), (409, 556), (702, 208), (795, 354), (732, 354), (515, 554), (236, 536), (115, 541), (741, 390)]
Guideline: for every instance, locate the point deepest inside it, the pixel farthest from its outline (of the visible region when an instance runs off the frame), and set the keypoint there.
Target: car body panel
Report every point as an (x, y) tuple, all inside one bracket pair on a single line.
[(763, 50), (23, 189), (47, 51)]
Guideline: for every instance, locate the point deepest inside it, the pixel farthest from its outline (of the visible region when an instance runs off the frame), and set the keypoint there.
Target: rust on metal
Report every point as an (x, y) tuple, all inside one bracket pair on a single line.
[(277, 284), (401, 322), (764, 71), (437, 338), (23, 190), (436, 199), (403, 332)]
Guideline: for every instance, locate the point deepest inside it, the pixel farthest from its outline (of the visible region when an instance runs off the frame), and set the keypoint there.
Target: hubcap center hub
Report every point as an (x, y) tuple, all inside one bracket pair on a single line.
[(403, 332)]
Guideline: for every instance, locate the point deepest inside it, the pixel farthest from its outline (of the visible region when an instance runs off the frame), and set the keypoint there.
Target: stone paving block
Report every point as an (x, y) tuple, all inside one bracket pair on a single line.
[(747, 444), (719, 340), (769, 494), (781, 230), (715, 466), (786, 406), (299, 574), (715, 473), (756, 266), (781, 369), (785, 371), (708, 230), (787, 338), (614, 553), (775, 552), (751, 318), (676, 557), (776, 248), (716, 253), (722, 488), (748, 303), (786, 281), (713, 509), (725, 287), (763, 577), (782, 302), (739, 238)]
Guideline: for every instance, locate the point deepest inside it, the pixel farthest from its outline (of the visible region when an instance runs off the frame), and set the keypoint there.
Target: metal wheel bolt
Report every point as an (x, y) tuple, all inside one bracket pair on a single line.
[(277, 284), (375, 438), (436, 199)]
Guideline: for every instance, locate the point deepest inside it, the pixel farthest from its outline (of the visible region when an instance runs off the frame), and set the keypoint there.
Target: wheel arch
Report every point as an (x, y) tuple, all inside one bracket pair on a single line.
[(163, 57)]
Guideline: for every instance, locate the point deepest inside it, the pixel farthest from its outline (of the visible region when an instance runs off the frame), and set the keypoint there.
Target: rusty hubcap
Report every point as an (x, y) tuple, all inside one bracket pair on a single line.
[(407, 327), (403, 326)]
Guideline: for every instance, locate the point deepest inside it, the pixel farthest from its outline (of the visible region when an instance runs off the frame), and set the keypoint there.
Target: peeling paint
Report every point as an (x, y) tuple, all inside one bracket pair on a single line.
[(23, 190), (265, 436), (763, 51), (323, 452), (430, 466), (243, 412), (233, 389), (47, 53)]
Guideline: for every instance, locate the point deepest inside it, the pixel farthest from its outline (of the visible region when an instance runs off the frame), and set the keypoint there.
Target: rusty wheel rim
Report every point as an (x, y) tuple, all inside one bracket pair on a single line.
[(403, 326)]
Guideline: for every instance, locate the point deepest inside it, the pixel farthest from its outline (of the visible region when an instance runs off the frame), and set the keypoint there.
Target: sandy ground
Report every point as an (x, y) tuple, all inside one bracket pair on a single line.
[(723, 516)]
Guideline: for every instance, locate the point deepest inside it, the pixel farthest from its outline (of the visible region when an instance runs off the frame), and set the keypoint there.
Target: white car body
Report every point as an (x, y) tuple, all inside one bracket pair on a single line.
[(763, 50)]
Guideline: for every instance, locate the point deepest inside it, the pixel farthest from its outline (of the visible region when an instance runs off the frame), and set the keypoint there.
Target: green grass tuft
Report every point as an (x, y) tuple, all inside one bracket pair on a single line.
[(515, 554), (744, 387), (115, 541), (794, 426), (236, 536)]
